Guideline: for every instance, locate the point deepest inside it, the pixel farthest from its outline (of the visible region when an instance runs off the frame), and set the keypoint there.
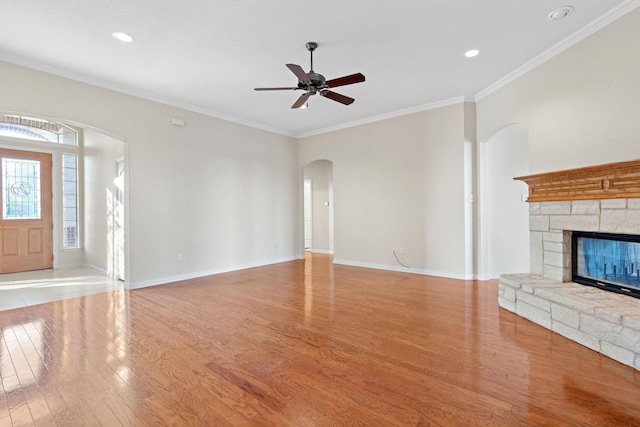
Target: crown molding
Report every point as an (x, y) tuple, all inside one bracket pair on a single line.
[(49, 69), (398, 113), (606, 19)]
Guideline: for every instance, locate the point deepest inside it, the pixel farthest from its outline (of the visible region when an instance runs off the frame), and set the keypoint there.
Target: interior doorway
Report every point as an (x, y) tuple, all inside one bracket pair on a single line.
[(318, 176), (504, 212), (26, 223), (308, 214)]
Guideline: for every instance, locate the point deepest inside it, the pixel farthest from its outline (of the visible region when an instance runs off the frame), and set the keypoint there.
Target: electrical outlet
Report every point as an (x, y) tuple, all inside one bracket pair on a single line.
[(401, 251), (180, 257)]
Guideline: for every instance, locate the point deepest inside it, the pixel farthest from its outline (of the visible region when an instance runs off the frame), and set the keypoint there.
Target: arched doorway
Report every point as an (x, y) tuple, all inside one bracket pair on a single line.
[(504, 214)]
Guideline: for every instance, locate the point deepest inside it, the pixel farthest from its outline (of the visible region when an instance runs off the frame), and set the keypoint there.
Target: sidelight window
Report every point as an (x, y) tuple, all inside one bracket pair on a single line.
[(69, 201)]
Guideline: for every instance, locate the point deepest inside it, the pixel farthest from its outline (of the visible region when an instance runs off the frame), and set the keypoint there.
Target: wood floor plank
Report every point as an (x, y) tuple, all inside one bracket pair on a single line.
[(302, 343)]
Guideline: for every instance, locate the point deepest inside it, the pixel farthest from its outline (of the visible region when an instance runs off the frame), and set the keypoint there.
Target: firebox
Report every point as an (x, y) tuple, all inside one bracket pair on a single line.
[(608, 261)]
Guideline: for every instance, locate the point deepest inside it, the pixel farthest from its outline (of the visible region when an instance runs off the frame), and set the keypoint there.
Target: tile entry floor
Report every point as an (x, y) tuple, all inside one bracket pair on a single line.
[(42, 286)]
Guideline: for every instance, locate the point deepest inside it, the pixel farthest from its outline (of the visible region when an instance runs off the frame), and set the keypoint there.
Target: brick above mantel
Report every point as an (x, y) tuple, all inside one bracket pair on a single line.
[(609, 181)]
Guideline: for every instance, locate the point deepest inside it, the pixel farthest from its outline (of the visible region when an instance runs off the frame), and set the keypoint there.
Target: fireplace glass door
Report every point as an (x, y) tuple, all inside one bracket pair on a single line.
[(609, 261)]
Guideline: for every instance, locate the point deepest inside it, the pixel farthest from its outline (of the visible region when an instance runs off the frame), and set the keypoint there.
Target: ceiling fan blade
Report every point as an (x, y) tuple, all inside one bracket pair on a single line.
[(276, 88), (302, 100), (337, 97), (299, 72), (346, 80)]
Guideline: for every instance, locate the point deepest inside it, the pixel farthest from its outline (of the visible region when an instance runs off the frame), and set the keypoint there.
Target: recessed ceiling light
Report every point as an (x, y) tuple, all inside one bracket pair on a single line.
[(559, 13), (471, 53), (123, 37)]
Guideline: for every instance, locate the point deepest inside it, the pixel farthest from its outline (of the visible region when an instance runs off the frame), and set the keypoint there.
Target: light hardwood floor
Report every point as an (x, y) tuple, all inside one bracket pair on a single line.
[(302, 343)]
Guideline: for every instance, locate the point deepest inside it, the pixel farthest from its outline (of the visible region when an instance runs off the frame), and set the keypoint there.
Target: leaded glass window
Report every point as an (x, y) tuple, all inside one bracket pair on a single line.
[(21, 189), (69, 201)]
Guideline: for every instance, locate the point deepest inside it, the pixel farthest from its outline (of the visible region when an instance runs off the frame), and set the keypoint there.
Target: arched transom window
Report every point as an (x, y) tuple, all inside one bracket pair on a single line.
[(37, 129)]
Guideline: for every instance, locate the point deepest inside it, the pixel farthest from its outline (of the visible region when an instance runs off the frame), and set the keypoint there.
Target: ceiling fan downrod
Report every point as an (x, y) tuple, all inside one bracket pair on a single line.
[(311, 46)]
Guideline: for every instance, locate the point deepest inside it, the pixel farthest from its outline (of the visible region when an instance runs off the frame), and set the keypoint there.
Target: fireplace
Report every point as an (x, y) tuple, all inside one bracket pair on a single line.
[(596, 211), (606, 260)]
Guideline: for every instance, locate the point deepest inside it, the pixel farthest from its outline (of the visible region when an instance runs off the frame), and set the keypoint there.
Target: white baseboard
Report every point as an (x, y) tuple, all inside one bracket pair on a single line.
[(320, 251), (405, 270), (181, 277), (68, 266)]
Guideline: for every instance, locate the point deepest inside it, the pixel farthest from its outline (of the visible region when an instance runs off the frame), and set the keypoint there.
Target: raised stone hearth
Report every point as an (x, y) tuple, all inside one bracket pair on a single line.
[(606, 322), (600, 198)]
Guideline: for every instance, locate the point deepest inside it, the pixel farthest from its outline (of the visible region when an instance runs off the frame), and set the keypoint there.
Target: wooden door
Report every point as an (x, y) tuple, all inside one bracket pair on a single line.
[(26, 227)]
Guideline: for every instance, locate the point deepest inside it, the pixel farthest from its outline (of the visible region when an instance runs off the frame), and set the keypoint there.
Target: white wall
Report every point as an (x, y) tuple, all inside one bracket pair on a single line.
[(222, 194), (581, 107), (398, 183), (321, 174)]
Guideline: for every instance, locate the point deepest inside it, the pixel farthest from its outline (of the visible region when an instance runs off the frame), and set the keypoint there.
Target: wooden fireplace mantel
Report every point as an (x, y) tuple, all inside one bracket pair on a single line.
[(609, 181)]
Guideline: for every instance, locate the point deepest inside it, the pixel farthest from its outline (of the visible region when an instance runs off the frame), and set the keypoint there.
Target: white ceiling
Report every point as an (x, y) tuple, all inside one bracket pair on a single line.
[(208, 55)]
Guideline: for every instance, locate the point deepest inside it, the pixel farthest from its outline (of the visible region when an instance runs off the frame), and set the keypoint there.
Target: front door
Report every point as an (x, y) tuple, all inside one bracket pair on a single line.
[(26, 227)]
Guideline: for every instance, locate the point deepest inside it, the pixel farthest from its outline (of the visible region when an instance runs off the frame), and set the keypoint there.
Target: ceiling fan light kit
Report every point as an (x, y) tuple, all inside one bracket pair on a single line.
[(314, 83)]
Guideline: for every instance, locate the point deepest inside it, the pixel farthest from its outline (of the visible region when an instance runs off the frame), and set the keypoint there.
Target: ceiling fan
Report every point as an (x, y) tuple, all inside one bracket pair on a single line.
[(313, 83)]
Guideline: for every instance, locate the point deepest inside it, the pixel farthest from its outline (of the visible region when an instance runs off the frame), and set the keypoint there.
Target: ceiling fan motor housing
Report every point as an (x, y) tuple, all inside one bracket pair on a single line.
[(316, 79)]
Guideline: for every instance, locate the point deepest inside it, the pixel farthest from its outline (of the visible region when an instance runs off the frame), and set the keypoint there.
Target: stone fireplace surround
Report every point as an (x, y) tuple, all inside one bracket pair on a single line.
[(604, 321)]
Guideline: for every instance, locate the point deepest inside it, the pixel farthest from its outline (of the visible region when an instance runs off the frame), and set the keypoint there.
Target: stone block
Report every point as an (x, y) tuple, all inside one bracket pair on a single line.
[(553, 246), (554, 273), (533, 288), (539, 222), (574, 222), (566, 298), (509, 293), (631, 322), (534, 208), (533, 300), (613, 204), (613, 333), (575, 335), (585, 207), (512, 280), (555, 208), (554, 258), (620, 354), (536, 315), (536, 260), (633, 203), (507, 305), (553, 236), (567, 316), (616, 311), (620, 221)]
